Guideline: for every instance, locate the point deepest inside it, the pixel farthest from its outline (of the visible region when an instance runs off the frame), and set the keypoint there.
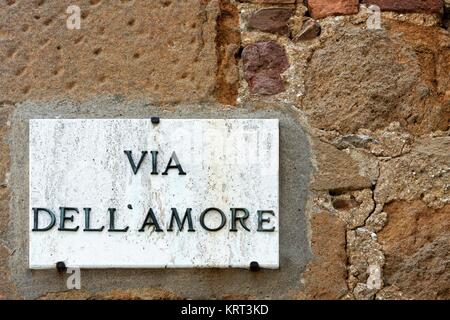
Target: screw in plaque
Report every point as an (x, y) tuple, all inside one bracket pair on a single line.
[(155, 120), (254, 266), (61, 266)]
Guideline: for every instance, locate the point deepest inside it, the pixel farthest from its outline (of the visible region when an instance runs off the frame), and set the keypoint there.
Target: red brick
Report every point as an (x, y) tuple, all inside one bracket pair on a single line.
[(323, 8)]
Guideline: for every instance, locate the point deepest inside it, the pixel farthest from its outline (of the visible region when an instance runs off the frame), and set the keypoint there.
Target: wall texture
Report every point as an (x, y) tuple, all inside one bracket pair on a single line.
[(364, 123)]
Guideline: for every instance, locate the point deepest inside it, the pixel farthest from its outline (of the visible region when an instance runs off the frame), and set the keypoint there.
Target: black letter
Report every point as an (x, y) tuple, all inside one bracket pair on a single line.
[(112, 218), (154, 162), (202, 219), (150, 220), (180, 224), (87, 221), (64, 219), (261, 220), (130, 158), (36, 222), (177, 165), (234, 218)]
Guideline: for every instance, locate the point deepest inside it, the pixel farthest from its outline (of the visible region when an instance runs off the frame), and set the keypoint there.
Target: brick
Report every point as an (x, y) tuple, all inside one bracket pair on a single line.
[(323, 8)]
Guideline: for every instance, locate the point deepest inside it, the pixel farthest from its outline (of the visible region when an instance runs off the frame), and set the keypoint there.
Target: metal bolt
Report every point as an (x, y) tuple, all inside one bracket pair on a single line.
[(61, 266), (155, 120), (254, 266)]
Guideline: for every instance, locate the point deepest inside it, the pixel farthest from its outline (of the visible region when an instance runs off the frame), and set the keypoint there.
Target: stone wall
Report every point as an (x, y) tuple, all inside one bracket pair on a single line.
[(365, 111)]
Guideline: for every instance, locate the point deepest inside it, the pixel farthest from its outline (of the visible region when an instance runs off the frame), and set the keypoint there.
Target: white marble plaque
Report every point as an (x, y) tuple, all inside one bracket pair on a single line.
[(107, 193)]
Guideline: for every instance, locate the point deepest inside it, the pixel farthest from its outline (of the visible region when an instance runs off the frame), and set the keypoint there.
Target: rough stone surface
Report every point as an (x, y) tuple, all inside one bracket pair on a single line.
[(391, 142), (423, 174), (354, 207), (326, 273), (364, 254), (6, 109), (432, 6), (118, 50), (416, 242), (7, 288), (391, 293), (336, 170), (431, 46), (376, 221), (368, 164), (273, 20), (115, 294), (386, 78), (263, 62), (323, 8), (228, 40)]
